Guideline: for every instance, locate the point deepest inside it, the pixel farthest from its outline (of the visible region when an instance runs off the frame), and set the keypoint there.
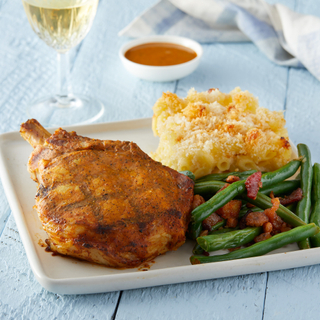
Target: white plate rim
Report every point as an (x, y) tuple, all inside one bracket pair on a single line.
[(125, 281)]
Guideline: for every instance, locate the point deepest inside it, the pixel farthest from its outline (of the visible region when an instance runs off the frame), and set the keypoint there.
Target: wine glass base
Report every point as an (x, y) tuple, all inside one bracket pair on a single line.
[(65, 110)]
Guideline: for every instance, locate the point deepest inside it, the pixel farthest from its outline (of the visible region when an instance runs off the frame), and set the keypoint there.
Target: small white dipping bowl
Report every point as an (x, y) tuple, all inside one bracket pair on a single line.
[(162, 73)]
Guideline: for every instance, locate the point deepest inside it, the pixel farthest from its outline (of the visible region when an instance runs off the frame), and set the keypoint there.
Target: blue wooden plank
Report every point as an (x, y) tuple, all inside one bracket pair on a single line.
[(230, 298), (22, 297), (98, 70), (27, 66), (292, 294), (302, 110), (4, 209)]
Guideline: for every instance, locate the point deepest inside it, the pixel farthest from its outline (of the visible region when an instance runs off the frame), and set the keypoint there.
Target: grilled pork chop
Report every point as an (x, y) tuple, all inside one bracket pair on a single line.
[(106, 201)]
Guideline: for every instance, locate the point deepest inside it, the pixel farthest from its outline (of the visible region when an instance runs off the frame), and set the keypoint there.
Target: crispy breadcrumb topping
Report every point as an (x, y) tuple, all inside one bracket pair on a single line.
[(213, 132)]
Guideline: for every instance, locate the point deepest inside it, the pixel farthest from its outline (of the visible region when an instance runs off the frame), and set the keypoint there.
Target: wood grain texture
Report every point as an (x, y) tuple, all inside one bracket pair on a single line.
[(302, 110), (303, 94), (292, 294), (22, 297), (98, 70), (26, 66), (4, 209), (230, 298)]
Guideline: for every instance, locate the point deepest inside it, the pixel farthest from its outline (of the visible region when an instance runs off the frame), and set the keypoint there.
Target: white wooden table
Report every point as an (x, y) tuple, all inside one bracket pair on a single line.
[(27, 72)]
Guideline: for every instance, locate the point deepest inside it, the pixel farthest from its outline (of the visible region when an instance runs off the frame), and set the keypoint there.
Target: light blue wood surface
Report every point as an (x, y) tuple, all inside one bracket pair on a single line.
[(27, 71)]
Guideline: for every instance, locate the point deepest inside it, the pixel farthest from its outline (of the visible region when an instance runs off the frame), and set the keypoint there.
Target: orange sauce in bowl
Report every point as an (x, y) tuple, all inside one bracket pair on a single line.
[(160, 54)]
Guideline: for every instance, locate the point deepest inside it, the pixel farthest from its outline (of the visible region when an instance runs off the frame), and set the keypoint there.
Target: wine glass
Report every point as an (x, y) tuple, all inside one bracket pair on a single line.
[(62, 24)]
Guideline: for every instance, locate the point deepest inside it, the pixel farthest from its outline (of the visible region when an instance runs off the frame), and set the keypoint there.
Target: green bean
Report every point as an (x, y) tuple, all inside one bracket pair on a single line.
[(315, 195), (281, 187), (315, 212), (260, 248), (304, 205), (218, 225), (237, 188), (198, 250), (292, 207), (232, 239), (245, 209), (223, 230), (272, 178), (211, 187), (223, 176), (271, 181), (217, 201), (264, 202), (188, 174), (208, 187)]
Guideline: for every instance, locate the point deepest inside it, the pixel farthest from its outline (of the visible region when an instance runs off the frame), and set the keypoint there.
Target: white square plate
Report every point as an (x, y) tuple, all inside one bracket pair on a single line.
[(70, 276)]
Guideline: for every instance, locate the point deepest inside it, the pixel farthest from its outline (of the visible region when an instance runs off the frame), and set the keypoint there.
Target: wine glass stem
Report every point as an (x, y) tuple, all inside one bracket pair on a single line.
[(64, 84)]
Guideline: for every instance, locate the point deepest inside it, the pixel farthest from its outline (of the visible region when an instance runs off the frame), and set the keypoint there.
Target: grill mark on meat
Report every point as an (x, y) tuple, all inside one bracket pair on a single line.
[(103, 229), (87, 245), (132, 244), (142, 226), (91, 201), (42, 191), (174, 213)]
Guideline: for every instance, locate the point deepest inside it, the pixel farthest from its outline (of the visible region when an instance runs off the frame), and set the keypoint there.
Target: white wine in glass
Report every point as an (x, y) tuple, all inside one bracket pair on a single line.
[(62, 24)]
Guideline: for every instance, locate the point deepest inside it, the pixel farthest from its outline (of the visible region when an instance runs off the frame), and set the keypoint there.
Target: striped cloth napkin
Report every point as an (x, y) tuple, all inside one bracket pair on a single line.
[(284, 36)]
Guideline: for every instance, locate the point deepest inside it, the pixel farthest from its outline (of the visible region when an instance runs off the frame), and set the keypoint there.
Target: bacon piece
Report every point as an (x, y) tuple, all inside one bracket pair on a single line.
[(197, 201), (256, 219), (226, 185), (214, 218), (209, 222), (212, 89), (232, 222), (204, 233), (243, 222), (285, 227), (232, 179), (272, 215), (262, 236), (253, 183), (233, 249), (271, 212), (230, 211), (295, 196), (250, 205), (277, 224), (267, 227)]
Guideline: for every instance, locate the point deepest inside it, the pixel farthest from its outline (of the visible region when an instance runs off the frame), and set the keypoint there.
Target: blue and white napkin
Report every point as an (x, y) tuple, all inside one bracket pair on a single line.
[(284, 36)]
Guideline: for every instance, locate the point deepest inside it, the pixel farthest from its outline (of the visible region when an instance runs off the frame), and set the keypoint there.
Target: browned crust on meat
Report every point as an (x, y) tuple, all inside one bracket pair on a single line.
[(107, 201)]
